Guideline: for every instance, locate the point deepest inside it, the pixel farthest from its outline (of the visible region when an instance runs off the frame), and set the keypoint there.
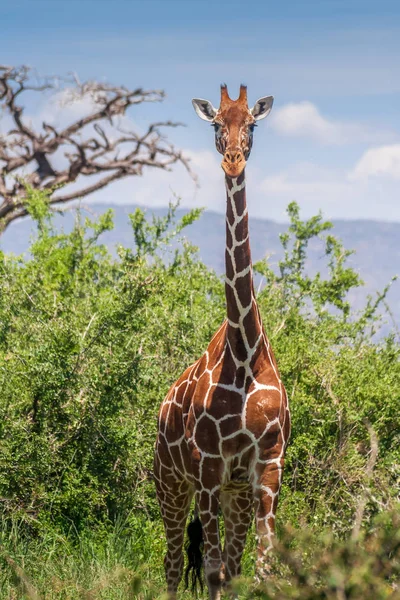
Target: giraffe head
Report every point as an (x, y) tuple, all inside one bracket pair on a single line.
[(233, 124)]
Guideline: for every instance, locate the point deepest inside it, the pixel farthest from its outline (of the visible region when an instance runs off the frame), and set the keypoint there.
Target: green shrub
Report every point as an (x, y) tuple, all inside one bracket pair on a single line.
[(89, 345), (307, 566)]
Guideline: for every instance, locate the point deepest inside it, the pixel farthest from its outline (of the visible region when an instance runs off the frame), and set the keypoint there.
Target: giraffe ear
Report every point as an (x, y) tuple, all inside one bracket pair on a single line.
[(204, 109), (262, 107)]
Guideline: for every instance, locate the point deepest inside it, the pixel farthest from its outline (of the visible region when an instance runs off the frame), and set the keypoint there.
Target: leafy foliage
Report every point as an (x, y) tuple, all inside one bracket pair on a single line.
[(325, 568), (85, 363), (90, 343), (340, 382)]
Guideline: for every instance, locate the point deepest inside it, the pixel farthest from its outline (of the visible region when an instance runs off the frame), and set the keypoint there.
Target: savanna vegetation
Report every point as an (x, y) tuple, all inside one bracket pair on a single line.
[(89, 344)]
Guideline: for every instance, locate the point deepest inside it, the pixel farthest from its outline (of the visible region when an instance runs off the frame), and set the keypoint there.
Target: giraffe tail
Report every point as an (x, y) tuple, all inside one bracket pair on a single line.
[(194, 551)]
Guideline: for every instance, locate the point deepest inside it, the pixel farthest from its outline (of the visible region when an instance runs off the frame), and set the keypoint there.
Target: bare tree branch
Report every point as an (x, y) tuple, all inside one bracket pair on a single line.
[(94, 145)]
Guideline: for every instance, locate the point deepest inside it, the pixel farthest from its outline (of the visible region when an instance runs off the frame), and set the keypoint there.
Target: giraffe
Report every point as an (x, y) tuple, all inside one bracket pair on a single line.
[(224, 425)]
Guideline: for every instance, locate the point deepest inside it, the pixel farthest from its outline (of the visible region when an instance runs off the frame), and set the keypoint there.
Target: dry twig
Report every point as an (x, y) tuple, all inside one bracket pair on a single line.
[(94, 145)]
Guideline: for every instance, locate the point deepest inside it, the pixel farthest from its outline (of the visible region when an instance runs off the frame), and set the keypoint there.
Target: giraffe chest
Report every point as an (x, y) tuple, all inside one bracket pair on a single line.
[(224, 418)]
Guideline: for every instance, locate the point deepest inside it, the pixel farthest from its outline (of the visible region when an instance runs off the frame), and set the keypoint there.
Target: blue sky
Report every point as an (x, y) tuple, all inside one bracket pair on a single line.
[(332, 141)]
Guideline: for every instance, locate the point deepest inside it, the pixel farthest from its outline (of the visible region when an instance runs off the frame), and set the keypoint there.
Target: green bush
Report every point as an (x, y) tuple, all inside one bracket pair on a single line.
[(310, 567), (90, 343), (343, 385)]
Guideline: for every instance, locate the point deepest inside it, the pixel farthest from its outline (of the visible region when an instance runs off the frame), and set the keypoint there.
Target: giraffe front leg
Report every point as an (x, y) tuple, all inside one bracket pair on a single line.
[(266, 494), (208, 505), (237, 509), (174, 503)]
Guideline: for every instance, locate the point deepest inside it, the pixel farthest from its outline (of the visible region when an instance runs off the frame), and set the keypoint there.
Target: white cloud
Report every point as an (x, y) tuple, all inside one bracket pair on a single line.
[(304, 120), (383, 161), (334, 191)]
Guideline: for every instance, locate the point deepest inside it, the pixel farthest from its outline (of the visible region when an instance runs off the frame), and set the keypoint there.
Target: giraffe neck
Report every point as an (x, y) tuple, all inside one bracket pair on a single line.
[(244, 322)]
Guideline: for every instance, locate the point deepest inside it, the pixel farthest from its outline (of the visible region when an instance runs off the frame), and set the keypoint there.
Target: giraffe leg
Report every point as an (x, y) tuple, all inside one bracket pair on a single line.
[(175, 505), (266, 494), (237, 508), (208, 505)]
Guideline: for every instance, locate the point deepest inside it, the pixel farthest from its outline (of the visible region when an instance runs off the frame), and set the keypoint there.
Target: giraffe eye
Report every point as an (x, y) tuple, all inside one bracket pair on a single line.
[(216, 127), (251, 127)]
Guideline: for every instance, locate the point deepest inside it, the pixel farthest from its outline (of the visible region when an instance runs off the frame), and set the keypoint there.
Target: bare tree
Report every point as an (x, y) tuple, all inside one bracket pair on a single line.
[(94, 145)]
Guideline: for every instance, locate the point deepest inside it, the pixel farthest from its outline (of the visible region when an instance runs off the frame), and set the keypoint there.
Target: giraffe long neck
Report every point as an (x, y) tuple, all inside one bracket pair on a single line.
[(244, 322)]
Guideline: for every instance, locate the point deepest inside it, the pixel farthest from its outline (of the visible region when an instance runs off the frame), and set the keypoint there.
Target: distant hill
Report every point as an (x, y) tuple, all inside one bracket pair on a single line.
[(376, 245)]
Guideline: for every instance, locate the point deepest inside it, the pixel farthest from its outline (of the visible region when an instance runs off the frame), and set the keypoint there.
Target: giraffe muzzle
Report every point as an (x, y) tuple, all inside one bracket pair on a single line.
[(233, 163)]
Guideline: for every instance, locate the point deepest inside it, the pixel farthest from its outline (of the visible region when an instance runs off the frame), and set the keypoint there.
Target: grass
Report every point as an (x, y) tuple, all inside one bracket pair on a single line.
[(123, 563), (126, 562), (94, 565)]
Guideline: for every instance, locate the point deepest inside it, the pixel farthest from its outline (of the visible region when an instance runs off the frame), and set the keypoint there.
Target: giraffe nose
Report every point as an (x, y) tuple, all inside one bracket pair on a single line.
[(233, 156)]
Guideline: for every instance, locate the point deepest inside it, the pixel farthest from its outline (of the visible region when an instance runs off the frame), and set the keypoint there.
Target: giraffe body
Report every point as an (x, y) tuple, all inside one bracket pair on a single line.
[(224, 425)]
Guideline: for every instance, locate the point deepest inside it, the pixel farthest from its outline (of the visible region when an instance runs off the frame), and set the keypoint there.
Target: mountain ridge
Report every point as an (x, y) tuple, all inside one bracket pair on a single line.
[(376, 257)]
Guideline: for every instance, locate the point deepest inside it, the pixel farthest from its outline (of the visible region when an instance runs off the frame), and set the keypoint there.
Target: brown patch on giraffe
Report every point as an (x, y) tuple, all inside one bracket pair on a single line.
[(233, 309), (269, 441), (206, 435), (175, 425), (181, 391), (240, 254), (229, 269), (240, 232), (229, 240), (190, 423), (186, 400), (202, 365), (170, 522), (163, 450), (204, 501), (212, 468), (249, 384), (236, 444), (264, 377), (217, 341), (223, 402), (270, 477), (198, 396), (177, 458), (195, 463), (237, 345), (286, 425), (162, 417), (204, 381), (261, 408), (240, 179), (265, 506), (230, 424), (229, 527), (241, 464), (241, 529), (187, 463), (242, 225), (252, 326), (271, 523), (244, 290), (263, 365), (240, 375), (224, 373), (230, 217)]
